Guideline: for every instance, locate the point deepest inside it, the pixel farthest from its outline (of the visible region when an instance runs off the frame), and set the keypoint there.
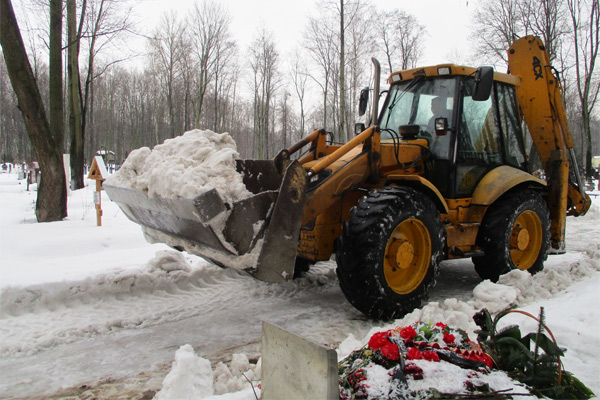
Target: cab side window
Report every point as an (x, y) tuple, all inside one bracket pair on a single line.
[(490, 135), (479, 142), (479, 138), (510, 125)]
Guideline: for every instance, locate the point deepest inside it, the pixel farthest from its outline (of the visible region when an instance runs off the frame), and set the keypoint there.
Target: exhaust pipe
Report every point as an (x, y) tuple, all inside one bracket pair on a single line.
[(377, 78)]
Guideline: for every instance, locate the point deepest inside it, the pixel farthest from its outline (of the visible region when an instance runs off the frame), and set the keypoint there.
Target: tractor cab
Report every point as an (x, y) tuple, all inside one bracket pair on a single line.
[(471, 123)]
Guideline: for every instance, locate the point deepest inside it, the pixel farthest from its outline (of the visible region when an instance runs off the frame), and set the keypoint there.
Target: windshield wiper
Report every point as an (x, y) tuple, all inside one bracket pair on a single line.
[(397, 97)]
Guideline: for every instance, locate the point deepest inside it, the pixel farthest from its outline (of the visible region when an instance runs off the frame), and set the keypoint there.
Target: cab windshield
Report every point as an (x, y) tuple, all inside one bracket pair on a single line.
[(420, 102)]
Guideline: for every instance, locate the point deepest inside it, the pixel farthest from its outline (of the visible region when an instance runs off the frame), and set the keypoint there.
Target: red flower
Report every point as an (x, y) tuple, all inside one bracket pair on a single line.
[(408, 333), (390, 351), (477, 356), (413, 354), (441, 325), (431, 356), (378, 340), (484, 358), (449, 338), (488, 360)]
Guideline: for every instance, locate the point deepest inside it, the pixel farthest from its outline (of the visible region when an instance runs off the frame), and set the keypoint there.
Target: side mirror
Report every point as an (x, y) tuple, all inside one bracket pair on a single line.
[(363, 101), (441, 126), (359, 128), (484, 78)]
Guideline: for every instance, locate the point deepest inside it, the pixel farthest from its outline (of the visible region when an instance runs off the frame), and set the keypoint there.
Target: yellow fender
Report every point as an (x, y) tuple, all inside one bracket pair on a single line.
[(427, 187), (500, 180)]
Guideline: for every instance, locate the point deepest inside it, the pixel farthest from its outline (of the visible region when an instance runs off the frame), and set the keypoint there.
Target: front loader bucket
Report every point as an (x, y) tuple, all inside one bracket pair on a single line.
[(258, 234)]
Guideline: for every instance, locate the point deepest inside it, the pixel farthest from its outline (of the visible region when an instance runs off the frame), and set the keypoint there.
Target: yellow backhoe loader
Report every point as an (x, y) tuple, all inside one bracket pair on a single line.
[(442, 172)]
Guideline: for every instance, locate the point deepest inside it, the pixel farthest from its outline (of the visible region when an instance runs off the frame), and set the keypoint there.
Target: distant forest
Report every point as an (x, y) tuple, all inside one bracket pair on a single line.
[(195, 75)]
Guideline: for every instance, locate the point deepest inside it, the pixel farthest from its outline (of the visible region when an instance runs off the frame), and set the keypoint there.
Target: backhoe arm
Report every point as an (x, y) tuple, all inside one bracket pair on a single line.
[(540, 98)]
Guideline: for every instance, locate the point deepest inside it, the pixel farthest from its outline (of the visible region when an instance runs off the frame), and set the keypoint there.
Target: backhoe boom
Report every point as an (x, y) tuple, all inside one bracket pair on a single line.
[(540, 97)]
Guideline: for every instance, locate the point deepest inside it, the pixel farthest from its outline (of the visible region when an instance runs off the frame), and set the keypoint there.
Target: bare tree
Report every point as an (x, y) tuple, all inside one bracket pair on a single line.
[(99, 22), (498, 23), (300, 79), (264, 61), (545, 18), (585, 19), (400, 39), (74, 94), (360, 50), (342, 111), (51, 204), (56, 72), (210, 30), (345, 13), (320, 40), (188, 73), (167, 54), (224, 76), (14, 144), (107, 22)]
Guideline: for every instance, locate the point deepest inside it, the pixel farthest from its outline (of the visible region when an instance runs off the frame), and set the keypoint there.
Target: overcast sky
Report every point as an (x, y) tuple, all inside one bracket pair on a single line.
[(446, 20)]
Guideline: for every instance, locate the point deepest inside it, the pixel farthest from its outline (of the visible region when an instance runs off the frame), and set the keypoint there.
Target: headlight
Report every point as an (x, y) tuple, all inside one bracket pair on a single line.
[(396, 78)]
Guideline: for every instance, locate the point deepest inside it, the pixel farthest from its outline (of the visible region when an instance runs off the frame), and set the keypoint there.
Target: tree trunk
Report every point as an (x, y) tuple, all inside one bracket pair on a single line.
[(75, 98), (342, 119), (589, 169), (55, 77), (51, 204)]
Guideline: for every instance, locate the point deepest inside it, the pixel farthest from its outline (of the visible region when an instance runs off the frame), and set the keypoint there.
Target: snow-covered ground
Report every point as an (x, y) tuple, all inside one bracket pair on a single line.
[(97, 311)]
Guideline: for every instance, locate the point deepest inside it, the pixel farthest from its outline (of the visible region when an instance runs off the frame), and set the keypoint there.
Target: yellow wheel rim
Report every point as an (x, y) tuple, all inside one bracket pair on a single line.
[(526, 240), (407, 256)]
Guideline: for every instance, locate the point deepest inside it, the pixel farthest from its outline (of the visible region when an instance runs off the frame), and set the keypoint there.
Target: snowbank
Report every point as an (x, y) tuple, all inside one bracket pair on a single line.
[(167, 271), (42, 316), (185, 166), (191, 377)]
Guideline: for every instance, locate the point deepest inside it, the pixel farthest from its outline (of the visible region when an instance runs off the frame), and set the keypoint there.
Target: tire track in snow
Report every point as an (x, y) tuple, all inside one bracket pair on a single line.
[(50, 317), (225, 311)]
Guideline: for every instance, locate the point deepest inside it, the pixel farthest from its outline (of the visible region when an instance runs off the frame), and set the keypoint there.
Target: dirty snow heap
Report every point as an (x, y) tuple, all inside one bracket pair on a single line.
[(185, 166)]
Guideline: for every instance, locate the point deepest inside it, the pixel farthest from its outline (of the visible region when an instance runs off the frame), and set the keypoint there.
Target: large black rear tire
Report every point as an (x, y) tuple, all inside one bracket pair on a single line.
[(514, 234), (389, 253)]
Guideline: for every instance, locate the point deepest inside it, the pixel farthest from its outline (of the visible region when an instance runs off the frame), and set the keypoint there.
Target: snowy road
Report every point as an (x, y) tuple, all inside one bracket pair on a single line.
[(216, 311)]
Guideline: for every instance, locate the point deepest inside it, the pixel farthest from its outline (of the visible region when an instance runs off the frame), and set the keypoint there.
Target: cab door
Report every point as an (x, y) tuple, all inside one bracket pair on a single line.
[(489, 135)]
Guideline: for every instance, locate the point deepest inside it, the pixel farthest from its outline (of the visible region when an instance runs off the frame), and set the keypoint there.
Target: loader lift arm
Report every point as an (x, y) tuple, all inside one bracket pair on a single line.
[(540, 97)]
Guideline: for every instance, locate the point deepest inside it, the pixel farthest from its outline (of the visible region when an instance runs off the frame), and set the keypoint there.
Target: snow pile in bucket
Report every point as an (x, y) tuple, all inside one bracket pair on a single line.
[(185, 166)]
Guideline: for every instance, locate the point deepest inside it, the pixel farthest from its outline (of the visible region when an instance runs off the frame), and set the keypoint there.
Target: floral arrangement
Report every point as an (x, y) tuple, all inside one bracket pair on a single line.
[(395, 348), (532, 360)]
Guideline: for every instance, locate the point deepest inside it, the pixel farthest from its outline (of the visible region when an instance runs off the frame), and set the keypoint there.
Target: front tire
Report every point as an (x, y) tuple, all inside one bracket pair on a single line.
[(389, 253), (514, 234)]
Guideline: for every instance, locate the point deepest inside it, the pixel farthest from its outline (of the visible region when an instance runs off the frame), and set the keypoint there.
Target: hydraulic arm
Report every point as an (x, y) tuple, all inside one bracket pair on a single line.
[(540, 97)]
